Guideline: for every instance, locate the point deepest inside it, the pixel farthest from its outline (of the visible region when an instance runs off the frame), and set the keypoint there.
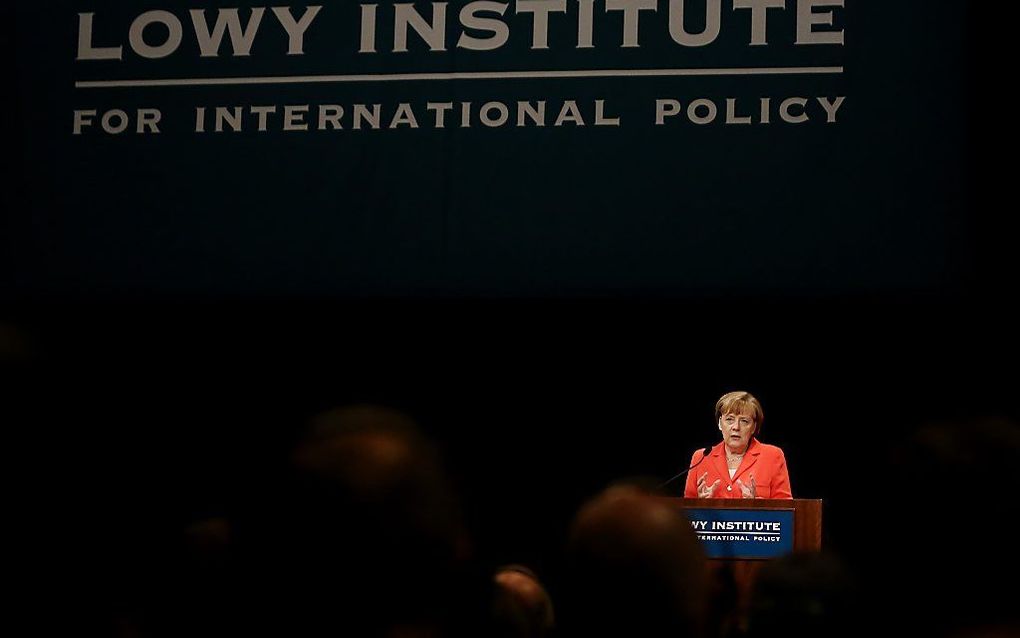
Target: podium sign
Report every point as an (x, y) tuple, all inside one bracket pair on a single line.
[(743, 533)]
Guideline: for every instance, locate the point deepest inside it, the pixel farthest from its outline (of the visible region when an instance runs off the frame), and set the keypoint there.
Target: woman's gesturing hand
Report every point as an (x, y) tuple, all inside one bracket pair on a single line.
[(706, 491), (747, 491)]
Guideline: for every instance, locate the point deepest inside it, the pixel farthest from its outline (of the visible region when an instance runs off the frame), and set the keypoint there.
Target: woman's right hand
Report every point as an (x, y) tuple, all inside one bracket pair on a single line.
[(706, 491)]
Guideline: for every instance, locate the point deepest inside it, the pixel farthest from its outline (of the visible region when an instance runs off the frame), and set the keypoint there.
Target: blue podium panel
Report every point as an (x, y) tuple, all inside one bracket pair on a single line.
[(743, 533)]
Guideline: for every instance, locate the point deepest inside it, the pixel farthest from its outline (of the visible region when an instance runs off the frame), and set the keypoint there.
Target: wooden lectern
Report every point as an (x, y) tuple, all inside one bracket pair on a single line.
[(807, 515), (807, 537)]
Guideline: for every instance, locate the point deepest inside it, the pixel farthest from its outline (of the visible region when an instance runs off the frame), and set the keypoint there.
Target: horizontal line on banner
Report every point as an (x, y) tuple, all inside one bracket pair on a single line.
[(467, 75)]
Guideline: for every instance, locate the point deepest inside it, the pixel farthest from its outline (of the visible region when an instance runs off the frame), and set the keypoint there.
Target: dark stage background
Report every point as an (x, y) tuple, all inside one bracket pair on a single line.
[(146, 417)]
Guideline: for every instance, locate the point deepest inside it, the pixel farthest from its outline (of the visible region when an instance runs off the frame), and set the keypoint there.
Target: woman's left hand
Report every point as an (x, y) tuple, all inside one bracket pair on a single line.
[(747, 491)]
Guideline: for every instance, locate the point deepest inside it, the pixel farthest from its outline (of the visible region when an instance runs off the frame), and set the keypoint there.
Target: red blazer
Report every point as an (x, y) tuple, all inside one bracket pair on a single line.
[(765, 463)]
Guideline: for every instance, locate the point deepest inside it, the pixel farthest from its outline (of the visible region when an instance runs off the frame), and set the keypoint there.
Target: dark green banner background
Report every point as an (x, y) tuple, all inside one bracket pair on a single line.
[(873, 202)]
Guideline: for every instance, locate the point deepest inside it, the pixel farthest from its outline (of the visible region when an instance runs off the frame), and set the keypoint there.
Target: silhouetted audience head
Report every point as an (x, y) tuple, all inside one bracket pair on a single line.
[(944, 507), (14, 344), (375, 461), (809, 594), (634, 568), (179, 582), (521, 608), (368, 538)]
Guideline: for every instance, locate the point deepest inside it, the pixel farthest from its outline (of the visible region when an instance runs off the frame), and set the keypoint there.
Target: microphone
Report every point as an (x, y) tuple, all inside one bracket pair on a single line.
[(704, 455)]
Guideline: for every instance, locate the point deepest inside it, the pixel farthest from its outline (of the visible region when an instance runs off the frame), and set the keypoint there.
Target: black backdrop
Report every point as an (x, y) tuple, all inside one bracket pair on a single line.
[(161, 414)]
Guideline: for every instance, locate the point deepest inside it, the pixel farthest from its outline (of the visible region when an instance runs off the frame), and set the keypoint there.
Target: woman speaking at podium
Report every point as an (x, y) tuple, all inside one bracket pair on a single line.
[(741, 466)]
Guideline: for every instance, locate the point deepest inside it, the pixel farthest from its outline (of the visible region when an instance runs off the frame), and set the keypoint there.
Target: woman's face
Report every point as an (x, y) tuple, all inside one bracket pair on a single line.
[(736, 430)]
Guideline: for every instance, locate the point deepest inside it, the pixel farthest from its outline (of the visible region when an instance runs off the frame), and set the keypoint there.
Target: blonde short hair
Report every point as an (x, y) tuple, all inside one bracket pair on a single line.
[(740, 403)]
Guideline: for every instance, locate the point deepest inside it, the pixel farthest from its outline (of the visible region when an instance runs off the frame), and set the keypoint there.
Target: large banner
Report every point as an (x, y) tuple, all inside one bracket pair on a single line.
[(526, 147)]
